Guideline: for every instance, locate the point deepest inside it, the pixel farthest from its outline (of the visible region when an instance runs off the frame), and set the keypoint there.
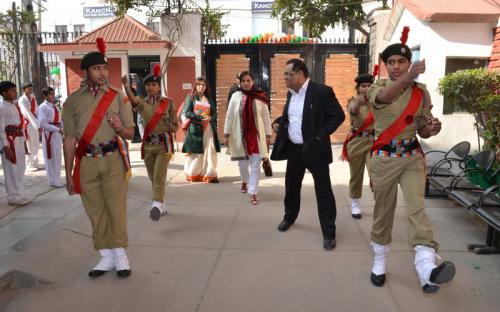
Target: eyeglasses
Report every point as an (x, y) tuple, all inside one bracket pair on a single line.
[(289, 75)]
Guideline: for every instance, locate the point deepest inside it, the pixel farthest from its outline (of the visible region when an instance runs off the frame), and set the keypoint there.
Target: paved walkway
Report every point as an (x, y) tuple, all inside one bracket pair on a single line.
[(216, 252)]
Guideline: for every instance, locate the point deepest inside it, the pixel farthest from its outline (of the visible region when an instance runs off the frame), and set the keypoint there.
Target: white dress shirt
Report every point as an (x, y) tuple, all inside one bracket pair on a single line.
[(46, 113), (295, 110)]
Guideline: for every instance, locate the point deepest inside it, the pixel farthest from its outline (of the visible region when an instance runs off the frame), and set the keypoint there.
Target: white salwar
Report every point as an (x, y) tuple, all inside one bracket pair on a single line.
[(46, 114), (250, 172)]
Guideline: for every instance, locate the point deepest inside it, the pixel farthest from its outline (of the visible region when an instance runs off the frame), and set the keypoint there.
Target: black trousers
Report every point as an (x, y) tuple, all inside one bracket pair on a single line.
[(295, 170)]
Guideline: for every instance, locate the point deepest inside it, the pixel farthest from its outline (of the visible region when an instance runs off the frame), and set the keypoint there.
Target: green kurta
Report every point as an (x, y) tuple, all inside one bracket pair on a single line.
[(193, 142)]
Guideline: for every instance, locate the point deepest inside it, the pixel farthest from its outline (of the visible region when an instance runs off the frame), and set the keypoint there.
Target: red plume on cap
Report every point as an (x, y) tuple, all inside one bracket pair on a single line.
[(404, 34), (101, 45), (375, 71), (156, 70)]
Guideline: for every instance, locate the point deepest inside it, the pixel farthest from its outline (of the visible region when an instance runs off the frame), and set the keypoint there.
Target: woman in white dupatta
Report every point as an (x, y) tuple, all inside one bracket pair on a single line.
[(201, 143), (247, 133)]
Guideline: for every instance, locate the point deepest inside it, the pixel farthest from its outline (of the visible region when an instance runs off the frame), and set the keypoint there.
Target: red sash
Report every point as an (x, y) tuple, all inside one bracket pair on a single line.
[(48, 137), (33, 105), (368, 121), (402, 122), (89, 133), (153, 122)]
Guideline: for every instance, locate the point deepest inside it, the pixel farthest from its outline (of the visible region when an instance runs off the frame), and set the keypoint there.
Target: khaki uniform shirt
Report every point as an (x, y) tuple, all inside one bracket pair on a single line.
[(168, 123), (386, 114), (80, 106), (358, 119)]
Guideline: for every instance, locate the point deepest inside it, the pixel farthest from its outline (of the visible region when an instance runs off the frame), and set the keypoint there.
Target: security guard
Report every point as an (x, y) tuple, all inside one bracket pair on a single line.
[(356, 149), (402, 108), (96, 122), (158, 142)]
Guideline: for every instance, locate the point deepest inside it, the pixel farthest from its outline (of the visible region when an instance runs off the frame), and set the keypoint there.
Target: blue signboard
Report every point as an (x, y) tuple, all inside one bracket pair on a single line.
[(99, 11), (262, 6)]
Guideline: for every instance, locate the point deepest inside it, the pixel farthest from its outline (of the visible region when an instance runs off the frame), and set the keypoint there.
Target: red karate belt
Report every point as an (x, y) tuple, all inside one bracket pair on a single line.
[(89, 133), (48, 134), (368, 121), (402, 122), (153, 122)]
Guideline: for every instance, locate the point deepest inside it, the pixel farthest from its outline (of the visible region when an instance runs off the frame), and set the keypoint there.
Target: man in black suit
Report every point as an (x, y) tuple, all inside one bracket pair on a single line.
[(311, 114)]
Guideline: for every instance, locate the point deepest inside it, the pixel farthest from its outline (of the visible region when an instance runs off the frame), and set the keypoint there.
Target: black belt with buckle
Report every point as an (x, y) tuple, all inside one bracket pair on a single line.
[(400, 148), (101, 149)]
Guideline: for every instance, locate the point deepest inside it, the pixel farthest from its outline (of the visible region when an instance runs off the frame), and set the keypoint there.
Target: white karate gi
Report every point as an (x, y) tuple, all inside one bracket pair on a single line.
[(14, 173), (46, 114), (33, 139)]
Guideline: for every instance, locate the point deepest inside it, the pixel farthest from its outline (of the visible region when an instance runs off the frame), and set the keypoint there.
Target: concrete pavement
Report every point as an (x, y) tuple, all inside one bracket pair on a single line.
[(214, 251)]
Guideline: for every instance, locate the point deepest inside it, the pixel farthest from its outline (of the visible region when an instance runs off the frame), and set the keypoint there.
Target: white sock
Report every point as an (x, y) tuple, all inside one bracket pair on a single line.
[(355, 206), (121, 259), (107, 261), (425, 262), (379, 258), (158, 205)]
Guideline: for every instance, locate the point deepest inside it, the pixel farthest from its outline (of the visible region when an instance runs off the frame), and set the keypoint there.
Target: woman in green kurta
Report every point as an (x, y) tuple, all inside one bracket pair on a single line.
[(201, 143)]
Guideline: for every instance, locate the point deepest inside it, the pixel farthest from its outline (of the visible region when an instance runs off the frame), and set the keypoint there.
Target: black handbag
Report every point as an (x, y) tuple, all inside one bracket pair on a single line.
[(266, 165)]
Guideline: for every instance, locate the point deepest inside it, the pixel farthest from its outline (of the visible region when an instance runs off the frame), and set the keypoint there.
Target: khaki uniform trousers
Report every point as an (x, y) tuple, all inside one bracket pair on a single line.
[(359, 156), (104, 196), (409, 173), (156, 161)]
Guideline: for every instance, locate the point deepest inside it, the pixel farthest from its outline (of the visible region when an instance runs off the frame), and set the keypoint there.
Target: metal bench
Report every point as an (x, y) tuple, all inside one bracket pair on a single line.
[(443, 168), (486, 205)]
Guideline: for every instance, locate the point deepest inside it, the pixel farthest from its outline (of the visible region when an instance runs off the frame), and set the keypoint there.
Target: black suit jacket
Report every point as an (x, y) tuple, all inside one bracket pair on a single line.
[(322, 115)]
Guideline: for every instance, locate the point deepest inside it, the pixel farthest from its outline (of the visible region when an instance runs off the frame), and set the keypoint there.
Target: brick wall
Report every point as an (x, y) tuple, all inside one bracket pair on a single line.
[(340, 72), (74, 74), (228, 65), (180, 70), (495, 52)]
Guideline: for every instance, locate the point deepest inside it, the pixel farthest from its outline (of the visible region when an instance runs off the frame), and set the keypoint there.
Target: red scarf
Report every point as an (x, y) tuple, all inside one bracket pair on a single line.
[(250, 132)]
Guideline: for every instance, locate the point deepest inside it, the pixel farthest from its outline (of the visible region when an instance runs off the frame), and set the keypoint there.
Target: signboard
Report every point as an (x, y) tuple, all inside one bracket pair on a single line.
[(100, 11), (262, 6), (187, 86)]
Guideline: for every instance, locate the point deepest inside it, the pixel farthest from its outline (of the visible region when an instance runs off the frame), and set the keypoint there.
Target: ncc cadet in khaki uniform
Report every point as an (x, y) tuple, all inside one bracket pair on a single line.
[(358, 143), (402, 109), (158, 142), (97, 119)]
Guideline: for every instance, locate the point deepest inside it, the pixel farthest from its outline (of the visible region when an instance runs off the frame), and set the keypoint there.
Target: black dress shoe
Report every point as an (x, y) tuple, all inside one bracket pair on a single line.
[(356, 216), (96, 273), (155, 214), (284, 225), (443, 273), (378, 280), (123, 273), (329, 244), (429, 289)]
